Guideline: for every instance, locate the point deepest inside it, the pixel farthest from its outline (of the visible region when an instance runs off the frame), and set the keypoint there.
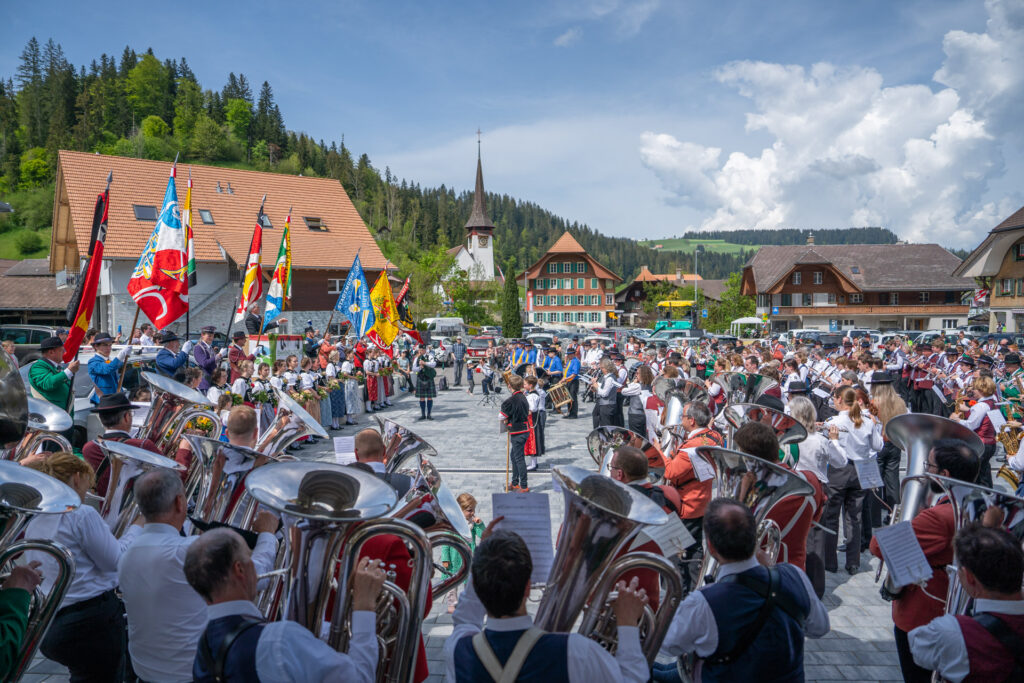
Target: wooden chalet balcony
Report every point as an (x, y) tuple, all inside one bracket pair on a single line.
[(861, 309)]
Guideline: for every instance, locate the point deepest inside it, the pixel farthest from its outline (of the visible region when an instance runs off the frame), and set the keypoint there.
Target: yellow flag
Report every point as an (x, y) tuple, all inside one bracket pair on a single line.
[(386, 326)]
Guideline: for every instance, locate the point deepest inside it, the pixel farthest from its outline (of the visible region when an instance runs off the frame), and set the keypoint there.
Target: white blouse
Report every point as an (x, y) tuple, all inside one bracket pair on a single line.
[(856, 443)]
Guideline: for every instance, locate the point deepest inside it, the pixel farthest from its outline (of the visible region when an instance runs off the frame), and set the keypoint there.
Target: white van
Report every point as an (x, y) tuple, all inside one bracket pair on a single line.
[(445, 327)]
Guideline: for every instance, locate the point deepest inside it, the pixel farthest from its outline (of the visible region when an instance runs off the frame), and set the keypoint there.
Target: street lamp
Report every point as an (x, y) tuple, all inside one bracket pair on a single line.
[(698, 249)]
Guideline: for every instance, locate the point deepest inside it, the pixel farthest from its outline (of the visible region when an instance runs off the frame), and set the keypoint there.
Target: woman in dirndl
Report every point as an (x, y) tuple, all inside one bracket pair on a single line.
[(353, 391), (370, 366), (425, 388), (337, 395), (263, 394)]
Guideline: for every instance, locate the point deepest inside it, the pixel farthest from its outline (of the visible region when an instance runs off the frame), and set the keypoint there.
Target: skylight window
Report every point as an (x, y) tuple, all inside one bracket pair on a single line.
[(144, 213), (206, 216), (855, 270), (315, 223)]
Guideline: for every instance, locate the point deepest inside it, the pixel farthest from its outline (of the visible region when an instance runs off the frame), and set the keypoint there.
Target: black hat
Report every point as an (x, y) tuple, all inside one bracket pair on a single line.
[(102, 338), (985, 359), (866, 343), (50, 343), (952, 350), (881, 377), (797, 387), (848, 343), (551, 349), (110, 403), (575, 337), (209, 328), (238, 334), (966, 360), (1012, 359), (169, 337)]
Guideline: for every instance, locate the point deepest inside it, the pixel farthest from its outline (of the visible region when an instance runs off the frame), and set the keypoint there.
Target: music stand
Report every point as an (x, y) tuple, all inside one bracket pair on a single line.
[(490, 399)]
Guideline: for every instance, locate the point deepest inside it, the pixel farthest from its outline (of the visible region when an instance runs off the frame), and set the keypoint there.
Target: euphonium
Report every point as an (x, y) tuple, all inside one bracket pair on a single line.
[(218, 486), (45, 422), (602, 516), (915, 433), (758, 484), (786, 428), (25, 493), (126, 463), (401, 445), (291, 423), (330, 511), (13, 403), (174, 406), (604, 441)]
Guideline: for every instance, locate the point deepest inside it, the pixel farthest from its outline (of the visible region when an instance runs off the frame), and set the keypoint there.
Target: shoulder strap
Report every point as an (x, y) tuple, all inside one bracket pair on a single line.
[(1009, 639), (510, 672), (773, 598), (216, 666)]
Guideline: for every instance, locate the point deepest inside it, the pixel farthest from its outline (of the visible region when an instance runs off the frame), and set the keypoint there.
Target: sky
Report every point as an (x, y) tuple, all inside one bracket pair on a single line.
[(641, 118)]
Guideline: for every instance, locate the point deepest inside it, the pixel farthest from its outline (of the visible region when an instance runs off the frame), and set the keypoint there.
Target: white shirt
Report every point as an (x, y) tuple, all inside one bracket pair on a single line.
[(608, 385), (978, 412), (306, 380), (165, 616), (286, 651), (816, 456), (84, 533), (240, 386), (592, 356), (214, 394), (694, 629), (587, 662), (939, 645), (145, 340), (856, 443)]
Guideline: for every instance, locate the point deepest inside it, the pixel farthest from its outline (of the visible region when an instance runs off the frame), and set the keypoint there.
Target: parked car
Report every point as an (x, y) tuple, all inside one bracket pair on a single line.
[(26, 340), (477, 346), (540, 338), (491, 330)]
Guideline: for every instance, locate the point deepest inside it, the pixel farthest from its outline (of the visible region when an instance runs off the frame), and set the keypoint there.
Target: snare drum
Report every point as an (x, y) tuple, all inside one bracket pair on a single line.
[(559, 395)]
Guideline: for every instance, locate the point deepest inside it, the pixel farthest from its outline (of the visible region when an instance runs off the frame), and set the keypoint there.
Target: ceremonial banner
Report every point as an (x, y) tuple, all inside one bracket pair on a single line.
[(405, 321), (354, 301), (384, 308), (80, 308), (159, 283), (186, 219), (280, 290), (252, 280)]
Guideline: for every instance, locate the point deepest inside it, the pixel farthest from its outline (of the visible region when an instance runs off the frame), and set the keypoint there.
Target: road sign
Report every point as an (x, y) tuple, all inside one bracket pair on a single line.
[(703, 312), (775, 310)]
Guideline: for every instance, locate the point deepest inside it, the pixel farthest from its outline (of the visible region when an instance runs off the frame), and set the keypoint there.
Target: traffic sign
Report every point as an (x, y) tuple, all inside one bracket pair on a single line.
[(703, 312), (775, 310)]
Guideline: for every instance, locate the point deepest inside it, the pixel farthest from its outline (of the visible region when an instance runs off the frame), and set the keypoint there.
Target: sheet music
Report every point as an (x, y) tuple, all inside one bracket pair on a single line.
[(672, 537), (703, 469), (997, 419), (818, 391), (902, 554), (868, 473), (344, 450), (529, 515)]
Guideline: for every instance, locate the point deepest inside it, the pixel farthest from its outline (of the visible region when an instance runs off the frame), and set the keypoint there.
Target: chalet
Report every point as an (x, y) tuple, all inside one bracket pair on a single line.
[(630, 299), (568, 286), (326, 234), (30, 295), (997, 264), (836, 287)]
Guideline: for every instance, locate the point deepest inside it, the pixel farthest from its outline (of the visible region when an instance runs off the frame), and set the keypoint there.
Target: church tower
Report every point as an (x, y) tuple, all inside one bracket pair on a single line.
[(480, 230)]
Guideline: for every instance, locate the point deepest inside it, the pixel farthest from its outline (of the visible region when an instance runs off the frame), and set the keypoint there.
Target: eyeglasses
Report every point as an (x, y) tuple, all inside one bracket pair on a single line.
[(931, 466), (613, 467)]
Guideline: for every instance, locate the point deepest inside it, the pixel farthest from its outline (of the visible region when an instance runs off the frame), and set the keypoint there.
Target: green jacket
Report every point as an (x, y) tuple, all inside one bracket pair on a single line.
[(451, 561), (51, 383), (14, 604)]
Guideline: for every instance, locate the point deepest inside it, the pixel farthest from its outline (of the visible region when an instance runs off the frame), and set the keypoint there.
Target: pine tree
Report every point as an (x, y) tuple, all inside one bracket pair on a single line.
[(511, 324)]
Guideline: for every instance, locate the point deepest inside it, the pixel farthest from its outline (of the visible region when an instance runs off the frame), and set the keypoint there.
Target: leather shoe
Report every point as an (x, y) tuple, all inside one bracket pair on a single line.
[(852, 569)]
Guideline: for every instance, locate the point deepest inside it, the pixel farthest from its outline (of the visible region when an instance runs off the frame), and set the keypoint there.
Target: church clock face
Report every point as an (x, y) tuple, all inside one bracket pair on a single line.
[(483, 240)]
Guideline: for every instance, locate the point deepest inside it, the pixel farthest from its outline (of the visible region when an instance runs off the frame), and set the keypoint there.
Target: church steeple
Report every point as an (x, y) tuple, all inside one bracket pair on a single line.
[(478, 216)]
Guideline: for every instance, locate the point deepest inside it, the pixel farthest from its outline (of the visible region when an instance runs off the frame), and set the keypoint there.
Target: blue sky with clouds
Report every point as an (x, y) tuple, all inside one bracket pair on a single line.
[(640, 117)]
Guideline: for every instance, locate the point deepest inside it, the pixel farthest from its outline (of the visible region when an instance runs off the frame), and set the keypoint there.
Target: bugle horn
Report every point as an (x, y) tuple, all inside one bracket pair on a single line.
[(25, 493), (602, 516), (45, 422), (174, 406), (291, 423), (758, 484), (219, 487)]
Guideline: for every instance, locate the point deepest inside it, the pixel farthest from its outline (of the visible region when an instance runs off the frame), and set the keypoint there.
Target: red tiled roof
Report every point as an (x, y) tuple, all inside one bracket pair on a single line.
[(567, 244), (139, 181), (645, 275)]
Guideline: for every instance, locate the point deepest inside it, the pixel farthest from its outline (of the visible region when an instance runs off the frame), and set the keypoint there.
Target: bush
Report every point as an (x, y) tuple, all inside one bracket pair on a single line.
[(35, 169), (28, 242), (155, 127), (33, 209)]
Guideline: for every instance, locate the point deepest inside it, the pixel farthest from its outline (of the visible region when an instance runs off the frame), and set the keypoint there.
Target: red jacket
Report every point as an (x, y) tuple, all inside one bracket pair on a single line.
[(93, 455), (235, 358), (648, 579), (695, 494), (794, 515)]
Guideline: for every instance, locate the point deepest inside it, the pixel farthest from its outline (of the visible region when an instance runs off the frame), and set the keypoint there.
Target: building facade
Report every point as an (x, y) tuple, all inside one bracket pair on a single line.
[(837, 287), (997, 265), (567, 286), (326, 233), (476, 254), (629, 302)]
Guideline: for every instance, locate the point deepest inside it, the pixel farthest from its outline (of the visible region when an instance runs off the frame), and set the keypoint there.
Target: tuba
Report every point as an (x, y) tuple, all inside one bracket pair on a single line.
[(741, 387), (401, 445), (602, 517), (604, 441), (25, 493), (13, 403), (330, 511), (758, 484), (291, 423), (174, 406), (915, 433), (45, 422), (786, 428), (118, 507)]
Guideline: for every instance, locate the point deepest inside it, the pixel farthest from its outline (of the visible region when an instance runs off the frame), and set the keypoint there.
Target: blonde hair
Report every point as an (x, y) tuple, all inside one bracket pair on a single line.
[(847, 398), (466, 501), (887, 402), (63, 465), (986, 386), (241, 421), (333, 356)]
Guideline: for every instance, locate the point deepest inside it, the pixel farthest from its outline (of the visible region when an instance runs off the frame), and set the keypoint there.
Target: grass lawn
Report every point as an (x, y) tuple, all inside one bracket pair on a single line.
[(9, 250), (717, 246)]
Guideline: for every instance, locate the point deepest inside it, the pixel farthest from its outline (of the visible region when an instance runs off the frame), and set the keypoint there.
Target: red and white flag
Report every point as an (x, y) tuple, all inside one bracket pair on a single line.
[(252, 279), (979, 296), (159, 283)]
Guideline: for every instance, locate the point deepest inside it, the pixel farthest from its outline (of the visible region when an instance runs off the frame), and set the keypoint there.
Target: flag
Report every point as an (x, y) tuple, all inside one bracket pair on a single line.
[(979, 296), (386, 325), (80, 308), (159, 283), (186, 218), (354, 301), (252, 280), (405, 320), (281, 283)]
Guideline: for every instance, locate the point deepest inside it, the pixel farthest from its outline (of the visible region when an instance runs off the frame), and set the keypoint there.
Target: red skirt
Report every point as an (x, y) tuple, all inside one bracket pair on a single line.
[(371, 388), (531, 437)]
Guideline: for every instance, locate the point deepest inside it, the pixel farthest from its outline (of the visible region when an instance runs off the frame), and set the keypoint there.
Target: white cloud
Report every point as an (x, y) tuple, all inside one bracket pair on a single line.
[(847, 150), (627, 17), (570, 37)]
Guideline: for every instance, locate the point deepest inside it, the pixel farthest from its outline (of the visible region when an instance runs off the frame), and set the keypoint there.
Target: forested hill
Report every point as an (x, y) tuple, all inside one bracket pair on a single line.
[(784, 236)]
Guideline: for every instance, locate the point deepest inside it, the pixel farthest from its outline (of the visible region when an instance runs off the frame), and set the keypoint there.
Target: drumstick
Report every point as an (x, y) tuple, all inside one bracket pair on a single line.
[(507, 440)]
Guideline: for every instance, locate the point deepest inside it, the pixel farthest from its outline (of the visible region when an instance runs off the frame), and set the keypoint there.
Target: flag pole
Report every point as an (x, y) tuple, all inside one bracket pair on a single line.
[(131, 331), (331, 318), (188, 311), (238, 300), (284, 299)]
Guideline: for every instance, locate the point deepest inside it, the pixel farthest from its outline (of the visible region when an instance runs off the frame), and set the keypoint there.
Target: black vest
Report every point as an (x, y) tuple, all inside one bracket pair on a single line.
[(240, 659)]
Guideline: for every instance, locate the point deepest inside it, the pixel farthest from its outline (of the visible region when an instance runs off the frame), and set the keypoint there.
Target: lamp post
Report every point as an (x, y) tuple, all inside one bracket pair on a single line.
[(696, 250)]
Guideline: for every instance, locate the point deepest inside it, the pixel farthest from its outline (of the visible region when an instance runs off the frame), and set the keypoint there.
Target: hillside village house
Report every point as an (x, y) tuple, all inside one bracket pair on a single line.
[(568, 286), (997, 264), (326, 230), (837, 287), (630, 299)]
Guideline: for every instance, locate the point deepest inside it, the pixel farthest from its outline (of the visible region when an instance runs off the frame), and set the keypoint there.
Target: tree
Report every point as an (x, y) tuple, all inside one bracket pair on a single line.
[(511, 323), (154, 127), (35, 170), (239, 117), (188, 105), (145, 87), (208, 140), (733, 305)]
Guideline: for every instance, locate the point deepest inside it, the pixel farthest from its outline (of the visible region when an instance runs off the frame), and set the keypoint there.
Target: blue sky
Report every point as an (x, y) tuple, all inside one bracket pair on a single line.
[(642, 118)]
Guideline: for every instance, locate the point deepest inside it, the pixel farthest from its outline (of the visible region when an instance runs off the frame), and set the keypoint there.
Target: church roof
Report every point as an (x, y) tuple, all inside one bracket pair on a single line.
[(478, 216)]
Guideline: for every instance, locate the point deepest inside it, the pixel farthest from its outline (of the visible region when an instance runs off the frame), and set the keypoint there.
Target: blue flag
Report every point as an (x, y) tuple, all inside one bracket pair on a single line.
[(354, 301)]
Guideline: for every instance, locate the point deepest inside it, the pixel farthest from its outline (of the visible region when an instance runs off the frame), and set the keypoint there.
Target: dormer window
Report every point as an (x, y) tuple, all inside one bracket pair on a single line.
[(315, 223), (144, 213)]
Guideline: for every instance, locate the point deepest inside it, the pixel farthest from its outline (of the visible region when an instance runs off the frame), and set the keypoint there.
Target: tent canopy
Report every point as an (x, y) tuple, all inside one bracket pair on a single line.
[(675, 304), (747, 321)]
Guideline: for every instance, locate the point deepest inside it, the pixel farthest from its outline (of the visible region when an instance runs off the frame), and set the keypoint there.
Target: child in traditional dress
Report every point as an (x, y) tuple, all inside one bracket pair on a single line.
[(218, 385), (451, 561), (353, 392)]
